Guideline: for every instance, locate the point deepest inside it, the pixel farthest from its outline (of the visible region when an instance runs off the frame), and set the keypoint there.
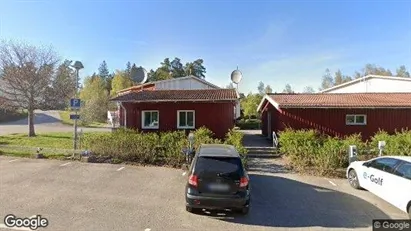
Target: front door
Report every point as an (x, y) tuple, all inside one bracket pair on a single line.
[(269, 135)]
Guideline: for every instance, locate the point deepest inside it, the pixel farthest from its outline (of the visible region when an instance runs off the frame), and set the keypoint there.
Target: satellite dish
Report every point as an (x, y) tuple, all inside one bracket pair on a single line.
[(236, 76), (139, 75)]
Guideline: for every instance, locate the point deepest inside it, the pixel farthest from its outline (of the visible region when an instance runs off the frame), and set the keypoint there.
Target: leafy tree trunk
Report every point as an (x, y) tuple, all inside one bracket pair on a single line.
[(31, 122)]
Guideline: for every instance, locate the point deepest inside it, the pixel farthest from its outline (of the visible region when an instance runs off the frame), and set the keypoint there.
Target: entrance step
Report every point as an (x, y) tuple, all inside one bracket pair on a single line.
[(262, 152), (262, 155)]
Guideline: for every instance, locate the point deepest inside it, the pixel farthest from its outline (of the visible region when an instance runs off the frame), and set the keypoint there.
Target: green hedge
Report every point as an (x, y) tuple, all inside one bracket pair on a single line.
[(164, 148), (249, 124), (309, 149)]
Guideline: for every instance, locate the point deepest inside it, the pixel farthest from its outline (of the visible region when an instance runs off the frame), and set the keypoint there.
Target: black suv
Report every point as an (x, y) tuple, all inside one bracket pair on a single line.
[(217, 180)]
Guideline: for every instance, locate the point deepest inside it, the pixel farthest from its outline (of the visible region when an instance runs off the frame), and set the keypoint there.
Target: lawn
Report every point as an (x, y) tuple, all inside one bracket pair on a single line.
[(54, 145), (61, 140), (65, 119)]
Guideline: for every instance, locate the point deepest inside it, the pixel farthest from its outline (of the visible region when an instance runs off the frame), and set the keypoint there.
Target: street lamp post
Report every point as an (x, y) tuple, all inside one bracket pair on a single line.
[(77, 65)]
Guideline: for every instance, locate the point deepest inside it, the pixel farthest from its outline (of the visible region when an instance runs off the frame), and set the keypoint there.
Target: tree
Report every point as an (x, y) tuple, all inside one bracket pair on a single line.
[(62, 86), (95, 98), (327, 80), (288, 89), (268, 89), (402, 72), (195, 68), (177, 68), (104, 74), (230, 86), (308, 90), (128, 69), (261, 88), (120, 81), (250, 103), (26, 74)]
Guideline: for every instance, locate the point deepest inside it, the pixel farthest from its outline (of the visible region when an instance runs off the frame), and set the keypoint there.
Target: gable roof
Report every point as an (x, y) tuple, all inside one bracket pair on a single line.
[(338, 100), (365, 78), (178, 95), (148, 84)]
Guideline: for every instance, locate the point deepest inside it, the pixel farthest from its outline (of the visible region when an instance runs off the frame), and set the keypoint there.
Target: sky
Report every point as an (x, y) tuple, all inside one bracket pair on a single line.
[(276, 42)]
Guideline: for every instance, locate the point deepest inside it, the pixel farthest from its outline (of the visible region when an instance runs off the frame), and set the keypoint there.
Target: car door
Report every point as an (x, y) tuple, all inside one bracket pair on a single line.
[(380, 176), (402, 186)]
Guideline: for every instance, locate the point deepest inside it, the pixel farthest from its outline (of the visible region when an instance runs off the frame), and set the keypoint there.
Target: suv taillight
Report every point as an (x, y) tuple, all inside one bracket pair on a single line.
[(243, 182), (193, 180)]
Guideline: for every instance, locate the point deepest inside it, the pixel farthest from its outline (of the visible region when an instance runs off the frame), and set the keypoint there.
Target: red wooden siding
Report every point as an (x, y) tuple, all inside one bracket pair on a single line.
[(332, 121), (218, 117)]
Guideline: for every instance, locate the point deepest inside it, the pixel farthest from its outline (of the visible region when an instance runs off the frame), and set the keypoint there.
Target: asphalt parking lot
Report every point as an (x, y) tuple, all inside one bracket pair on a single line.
[(81, 196)]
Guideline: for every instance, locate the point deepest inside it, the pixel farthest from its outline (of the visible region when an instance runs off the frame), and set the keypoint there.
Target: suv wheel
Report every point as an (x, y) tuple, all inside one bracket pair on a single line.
[(409, 211)]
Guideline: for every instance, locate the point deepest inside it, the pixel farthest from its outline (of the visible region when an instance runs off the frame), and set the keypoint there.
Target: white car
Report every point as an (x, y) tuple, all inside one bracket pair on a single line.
[(388, 177)]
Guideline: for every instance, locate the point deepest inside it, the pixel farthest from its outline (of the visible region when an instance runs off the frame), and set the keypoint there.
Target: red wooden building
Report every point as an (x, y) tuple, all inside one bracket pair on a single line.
[(151, 109), (336, 114)]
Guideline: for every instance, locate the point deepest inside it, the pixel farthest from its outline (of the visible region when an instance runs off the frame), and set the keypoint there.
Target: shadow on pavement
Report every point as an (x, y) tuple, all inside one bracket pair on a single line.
[(282, 202), (255, 140), (39, 118)]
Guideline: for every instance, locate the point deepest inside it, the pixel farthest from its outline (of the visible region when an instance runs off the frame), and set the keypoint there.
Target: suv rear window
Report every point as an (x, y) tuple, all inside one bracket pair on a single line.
[(206, 164)]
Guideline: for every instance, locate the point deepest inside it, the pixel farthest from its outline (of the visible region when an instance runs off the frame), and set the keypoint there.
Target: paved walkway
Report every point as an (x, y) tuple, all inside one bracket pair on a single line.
[(254, 138), (44, 122)]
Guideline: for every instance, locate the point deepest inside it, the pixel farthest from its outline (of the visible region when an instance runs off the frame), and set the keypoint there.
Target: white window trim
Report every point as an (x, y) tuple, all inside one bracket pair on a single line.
[(186, 127), (355, 119), (143, 114)]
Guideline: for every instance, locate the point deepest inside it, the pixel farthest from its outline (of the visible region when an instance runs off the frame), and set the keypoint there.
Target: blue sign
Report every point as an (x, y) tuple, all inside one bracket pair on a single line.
[(75, 103), (74, 117)]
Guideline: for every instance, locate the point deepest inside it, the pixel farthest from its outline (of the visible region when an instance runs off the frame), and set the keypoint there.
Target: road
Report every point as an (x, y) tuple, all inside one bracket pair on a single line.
[(84, 196), (44, 121)]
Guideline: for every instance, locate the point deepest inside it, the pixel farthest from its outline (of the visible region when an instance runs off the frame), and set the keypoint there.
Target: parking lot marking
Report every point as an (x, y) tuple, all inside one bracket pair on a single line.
[(3, 226), (13, 160), (65, 164), (332, 183), (120, 169), (184, 173), (147, 229)]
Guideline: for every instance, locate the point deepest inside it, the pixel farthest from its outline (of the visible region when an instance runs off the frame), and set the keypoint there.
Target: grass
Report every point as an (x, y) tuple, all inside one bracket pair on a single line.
[(65, 119), (28, 154), (47, 140), (10, 116), (55, 145)]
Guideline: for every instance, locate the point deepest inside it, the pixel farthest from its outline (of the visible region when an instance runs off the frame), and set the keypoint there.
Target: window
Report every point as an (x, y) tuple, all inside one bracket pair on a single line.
[(150, 119), (355, 119), (385, 164), (404, 171), (186, 119)]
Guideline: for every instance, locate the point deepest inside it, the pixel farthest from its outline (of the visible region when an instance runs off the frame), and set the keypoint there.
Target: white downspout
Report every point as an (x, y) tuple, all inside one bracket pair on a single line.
[(125, 114)]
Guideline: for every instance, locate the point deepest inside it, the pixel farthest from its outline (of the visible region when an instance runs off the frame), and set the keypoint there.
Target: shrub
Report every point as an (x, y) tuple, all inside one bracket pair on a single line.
[(249, 124), (398, 143), (133, 146), (204, 135), (235, 138), (331, 154), (300, 146)]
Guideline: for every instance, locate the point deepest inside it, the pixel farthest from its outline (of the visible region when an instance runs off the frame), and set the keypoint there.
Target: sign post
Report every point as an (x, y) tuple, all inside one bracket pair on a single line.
[(75, 103)]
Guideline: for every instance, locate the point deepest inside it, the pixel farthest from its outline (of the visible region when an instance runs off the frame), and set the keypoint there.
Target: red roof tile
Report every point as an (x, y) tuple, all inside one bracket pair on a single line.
[(343, 100), (178, 95)]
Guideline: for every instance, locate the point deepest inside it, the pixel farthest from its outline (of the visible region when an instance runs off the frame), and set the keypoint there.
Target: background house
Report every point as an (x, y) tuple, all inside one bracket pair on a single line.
[(373, 83), (185, 103), (336, 114)]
